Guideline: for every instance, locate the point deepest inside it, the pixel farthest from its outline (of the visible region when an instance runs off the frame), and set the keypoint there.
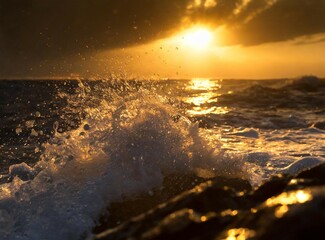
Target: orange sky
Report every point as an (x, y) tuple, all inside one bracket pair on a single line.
[(154, 39), (168, 59)]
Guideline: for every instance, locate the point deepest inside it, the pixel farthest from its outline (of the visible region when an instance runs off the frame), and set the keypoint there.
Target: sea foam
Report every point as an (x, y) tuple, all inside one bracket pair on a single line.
[(124, 146)]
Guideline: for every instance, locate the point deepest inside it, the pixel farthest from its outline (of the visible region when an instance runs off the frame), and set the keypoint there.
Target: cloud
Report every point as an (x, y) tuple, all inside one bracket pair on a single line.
[(36, 31), (253, 22), (54, 27), (278, 21)]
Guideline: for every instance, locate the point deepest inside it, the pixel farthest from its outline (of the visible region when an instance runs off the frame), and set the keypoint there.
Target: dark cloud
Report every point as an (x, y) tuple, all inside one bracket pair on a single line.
[(282, 20), (54, 27), (36, 31), (216, 15), (260, 21)]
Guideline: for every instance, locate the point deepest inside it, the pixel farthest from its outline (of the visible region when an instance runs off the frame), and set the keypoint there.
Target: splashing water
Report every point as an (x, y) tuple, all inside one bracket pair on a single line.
[(125, 145), (119, 139)]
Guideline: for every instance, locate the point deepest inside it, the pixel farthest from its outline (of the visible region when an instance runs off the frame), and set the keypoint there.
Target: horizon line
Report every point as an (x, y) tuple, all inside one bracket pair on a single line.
[(69, 78)]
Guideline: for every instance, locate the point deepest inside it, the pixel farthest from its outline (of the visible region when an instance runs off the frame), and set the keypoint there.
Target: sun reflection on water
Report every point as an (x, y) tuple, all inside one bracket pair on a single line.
[(203, 84), (204, 95)]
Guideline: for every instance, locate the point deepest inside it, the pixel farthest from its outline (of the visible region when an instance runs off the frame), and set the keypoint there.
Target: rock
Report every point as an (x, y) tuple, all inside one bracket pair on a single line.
[(319, 125), (314, 176), (122, 211), (271, 188), (286, 207), (298, 214)]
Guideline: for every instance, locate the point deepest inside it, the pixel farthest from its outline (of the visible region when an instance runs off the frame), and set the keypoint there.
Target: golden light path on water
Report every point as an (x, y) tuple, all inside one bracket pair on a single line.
[(205, 97)]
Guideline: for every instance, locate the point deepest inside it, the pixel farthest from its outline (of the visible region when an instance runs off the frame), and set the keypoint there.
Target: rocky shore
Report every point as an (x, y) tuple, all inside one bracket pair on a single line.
[(286, 207)]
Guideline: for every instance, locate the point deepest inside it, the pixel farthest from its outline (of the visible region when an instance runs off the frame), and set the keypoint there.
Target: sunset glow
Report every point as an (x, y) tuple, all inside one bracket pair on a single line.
[(173, 39), (199, 38), (111, 109)]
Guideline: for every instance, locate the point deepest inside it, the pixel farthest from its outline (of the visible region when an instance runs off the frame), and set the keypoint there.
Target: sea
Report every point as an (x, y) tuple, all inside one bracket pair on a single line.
[(70, 148)]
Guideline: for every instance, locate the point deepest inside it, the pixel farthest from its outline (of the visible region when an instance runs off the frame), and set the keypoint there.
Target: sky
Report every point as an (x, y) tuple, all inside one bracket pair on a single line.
[(162, 38)]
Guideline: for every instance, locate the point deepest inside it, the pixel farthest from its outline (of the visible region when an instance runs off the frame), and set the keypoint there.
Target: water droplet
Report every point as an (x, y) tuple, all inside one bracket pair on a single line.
[(151, 193), (37, 114), (19, 130), (34, 133), (30, 123), (55, 126)]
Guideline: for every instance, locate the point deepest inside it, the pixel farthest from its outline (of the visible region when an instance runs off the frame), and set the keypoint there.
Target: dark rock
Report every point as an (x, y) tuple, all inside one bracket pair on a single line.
[(296, 214), (320, 125), (312, 177), (272, 188), (316, 173), (212, 196), (283, 208), (122, 211)]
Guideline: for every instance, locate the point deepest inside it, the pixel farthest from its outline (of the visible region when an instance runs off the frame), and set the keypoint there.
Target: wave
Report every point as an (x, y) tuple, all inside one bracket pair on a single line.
[(304, 93), (118, 139), (125, 145), (308, 83)]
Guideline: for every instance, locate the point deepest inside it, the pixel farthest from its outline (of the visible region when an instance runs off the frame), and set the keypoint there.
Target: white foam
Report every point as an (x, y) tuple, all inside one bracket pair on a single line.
[(301, 164), (123, 147)]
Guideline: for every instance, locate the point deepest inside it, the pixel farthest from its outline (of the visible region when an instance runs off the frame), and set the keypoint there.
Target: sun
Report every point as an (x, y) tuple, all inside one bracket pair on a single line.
[(198, 38)]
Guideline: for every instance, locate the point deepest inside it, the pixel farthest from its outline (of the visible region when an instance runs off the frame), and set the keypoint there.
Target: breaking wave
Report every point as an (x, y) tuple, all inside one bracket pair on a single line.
[(126, 143)]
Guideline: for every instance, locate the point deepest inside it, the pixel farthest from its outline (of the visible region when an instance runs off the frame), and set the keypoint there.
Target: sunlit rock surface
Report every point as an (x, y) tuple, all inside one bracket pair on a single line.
[(284, 208)]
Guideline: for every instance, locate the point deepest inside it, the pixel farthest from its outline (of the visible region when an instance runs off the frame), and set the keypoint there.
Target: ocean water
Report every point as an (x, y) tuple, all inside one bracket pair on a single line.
[(69, 148)]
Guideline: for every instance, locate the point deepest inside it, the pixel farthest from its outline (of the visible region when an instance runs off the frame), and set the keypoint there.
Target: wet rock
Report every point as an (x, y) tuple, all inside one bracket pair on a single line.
[(320, 125), (315, 176), (122, 211), (286, 207), (272, 188), (295, 214)]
